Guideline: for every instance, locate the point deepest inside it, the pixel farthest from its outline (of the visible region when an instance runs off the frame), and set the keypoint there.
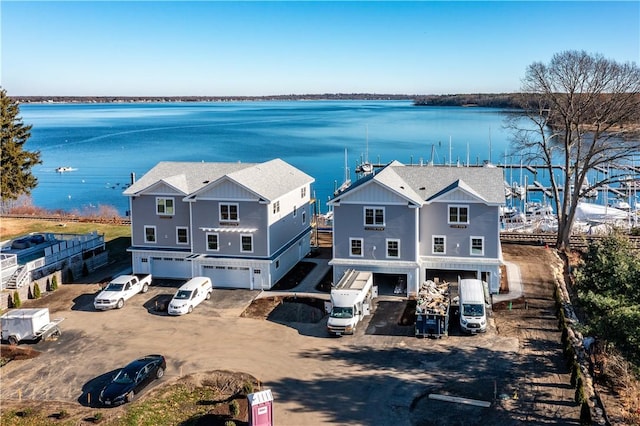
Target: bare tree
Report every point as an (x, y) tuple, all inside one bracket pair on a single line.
[(581, 112)]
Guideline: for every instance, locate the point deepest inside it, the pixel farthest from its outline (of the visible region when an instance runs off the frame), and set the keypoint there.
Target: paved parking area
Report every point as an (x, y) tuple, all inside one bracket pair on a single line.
[(380, 375)]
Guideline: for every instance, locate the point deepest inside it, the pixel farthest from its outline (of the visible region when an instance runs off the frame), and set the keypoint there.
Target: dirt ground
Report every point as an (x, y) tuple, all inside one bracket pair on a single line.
[(381, 375)]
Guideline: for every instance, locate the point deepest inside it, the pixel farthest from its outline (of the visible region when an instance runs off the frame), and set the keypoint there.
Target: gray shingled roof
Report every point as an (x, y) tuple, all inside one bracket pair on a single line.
[(269, 180), (421, 184), (430, 181)]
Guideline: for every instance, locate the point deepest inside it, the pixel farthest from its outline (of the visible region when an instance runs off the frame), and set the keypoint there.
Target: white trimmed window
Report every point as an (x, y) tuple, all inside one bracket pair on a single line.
[(304, 217), (295, 211), (393, 249), (164, 206), (477, 246), (246, 243), (276, 207), (439, 244), (374, 216), (355, 247), (228, 212), (213, 242), (149, 234), (458, 214), (303, 192), (182, 235)]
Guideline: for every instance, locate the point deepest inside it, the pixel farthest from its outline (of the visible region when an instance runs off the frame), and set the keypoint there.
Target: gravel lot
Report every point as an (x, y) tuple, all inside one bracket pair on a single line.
[(381, 375)]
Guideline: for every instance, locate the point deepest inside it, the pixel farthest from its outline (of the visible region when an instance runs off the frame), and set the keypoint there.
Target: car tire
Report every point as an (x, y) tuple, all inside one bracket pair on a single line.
[(145, 288), (208, 296), (190, 309), (120, 304), (13, 340), (129, 397), (159, 373)]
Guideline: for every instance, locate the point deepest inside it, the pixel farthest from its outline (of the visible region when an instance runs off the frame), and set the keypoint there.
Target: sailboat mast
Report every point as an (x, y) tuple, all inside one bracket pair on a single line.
[(346, 167)]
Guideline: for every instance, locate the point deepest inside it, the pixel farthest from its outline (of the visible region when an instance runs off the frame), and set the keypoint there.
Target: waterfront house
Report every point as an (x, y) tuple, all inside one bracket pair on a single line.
[(408, 224), (244, 225)]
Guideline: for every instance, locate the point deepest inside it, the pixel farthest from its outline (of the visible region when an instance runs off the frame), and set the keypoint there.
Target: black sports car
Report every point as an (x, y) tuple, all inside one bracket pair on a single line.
[(132, 379)]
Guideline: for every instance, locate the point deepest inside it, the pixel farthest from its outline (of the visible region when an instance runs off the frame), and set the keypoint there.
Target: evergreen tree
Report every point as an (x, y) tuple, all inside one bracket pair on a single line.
[(36, 291), (16, 300), (16, 178)]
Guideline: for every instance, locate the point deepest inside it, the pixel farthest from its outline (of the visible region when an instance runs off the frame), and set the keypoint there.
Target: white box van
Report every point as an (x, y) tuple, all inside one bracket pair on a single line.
[(190, 295), (473, 316)]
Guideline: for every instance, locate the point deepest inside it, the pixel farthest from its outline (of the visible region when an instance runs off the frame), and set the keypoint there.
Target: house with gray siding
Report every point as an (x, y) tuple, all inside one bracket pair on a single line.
[(244, 225), (409, 224)]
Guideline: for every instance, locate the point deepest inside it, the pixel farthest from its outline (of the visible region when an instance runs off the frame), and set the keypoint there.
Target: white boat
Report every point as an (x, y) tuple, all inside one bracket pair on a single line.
[(620, 204), (598, 213), (63, 169), (511, 215), (599, 219), (518, 190), (536, 210)]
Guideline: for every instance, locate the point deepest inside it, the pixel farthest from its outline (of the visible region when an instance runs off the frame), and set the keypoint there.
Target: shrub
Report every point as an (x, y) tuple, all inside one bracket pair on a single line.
[(234, 408), (27, 412), (54, 283), (579, 396), (247, 388), (97, 417), (16, 300), (36, 291), (229, 423), (562, 320), (48, 285), (575, 374)]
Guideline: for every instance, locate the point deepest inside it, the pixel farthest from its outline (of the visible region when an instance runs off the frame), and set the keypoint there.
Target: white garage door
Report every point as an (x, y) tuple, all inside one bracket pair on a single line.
[(168, 267), (228, 276)]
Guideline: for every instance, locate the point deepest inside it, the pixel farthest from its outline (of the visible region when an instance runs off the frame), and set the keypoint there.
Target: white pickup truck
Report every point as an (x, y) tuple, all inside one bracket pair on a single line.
[(121, 289)]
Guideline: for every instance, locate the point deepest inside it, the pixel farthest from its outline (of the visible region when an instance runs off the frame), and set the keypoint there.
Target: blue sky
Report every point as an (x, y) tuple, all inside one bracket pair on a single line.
[(212, 48)]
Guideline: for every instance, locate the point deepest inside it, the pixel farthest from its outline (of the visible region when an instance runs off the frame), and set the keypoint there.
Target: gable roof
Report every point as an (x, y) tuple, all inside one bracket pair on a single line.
[(424, 184), (268, 180), (429, 182), (459, 184)]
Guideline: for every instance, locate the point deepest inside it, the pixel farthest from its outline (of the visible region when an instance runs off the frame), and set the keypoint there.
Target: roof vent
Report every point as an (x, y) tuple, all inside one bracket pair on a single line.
[(205, 181), (422, 188)]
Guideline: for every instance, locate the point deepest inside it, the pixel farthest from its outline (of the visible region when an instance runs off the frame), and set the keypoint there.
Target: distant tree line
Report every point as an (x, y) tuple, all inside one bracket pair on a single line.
[(487, 100), (161, 99), (493, 100)]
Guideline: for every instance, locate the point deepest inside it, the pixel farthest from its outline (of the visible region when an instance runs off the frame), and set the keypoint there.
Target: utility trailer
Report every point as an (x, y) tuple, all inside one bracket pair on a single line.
[(28, 324), (432, 310)]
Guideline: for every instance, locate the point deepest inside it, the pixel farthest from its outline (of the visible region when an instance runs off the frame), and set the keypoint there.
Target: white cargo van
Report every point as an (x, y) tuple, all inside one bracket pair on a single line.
[(190, 295), (473, 316)]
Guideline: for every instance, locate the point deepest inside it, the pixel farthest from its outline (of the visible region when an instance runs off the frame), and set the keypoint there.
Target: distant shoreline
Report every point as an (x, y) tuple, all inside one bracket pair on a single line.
[(499, 100)]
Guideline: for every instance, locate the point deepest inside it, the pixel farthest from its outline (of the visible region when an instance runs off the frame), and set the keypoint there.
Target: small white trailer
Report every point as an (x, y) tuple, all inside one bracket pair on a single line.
[(28, 324)]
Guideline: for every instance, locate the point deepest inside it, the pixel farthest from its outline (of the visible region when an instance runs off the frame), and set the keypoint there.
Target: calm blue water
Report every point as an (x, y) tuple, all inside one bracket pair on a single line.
[(105, 143)]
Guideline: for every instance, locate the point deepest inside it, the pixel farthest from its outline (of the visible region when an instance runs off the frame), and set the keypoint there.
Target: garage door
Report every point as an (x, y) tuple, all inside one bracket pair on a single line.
[(168, 267), (228, 276)]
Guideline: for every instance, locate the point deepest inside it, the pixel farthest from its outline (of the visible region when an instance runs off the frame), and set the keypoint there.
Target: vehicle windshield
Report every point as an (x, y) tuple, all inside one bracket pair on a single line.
[(123, 377), (182, 294), (338, 312), (472, 310), (114, 287)]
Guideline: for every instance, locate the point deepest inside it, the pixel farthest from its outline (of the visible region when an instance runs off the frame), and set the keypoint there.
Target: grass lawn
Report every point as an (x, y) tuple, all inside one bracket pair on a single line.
[(116, 237)]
